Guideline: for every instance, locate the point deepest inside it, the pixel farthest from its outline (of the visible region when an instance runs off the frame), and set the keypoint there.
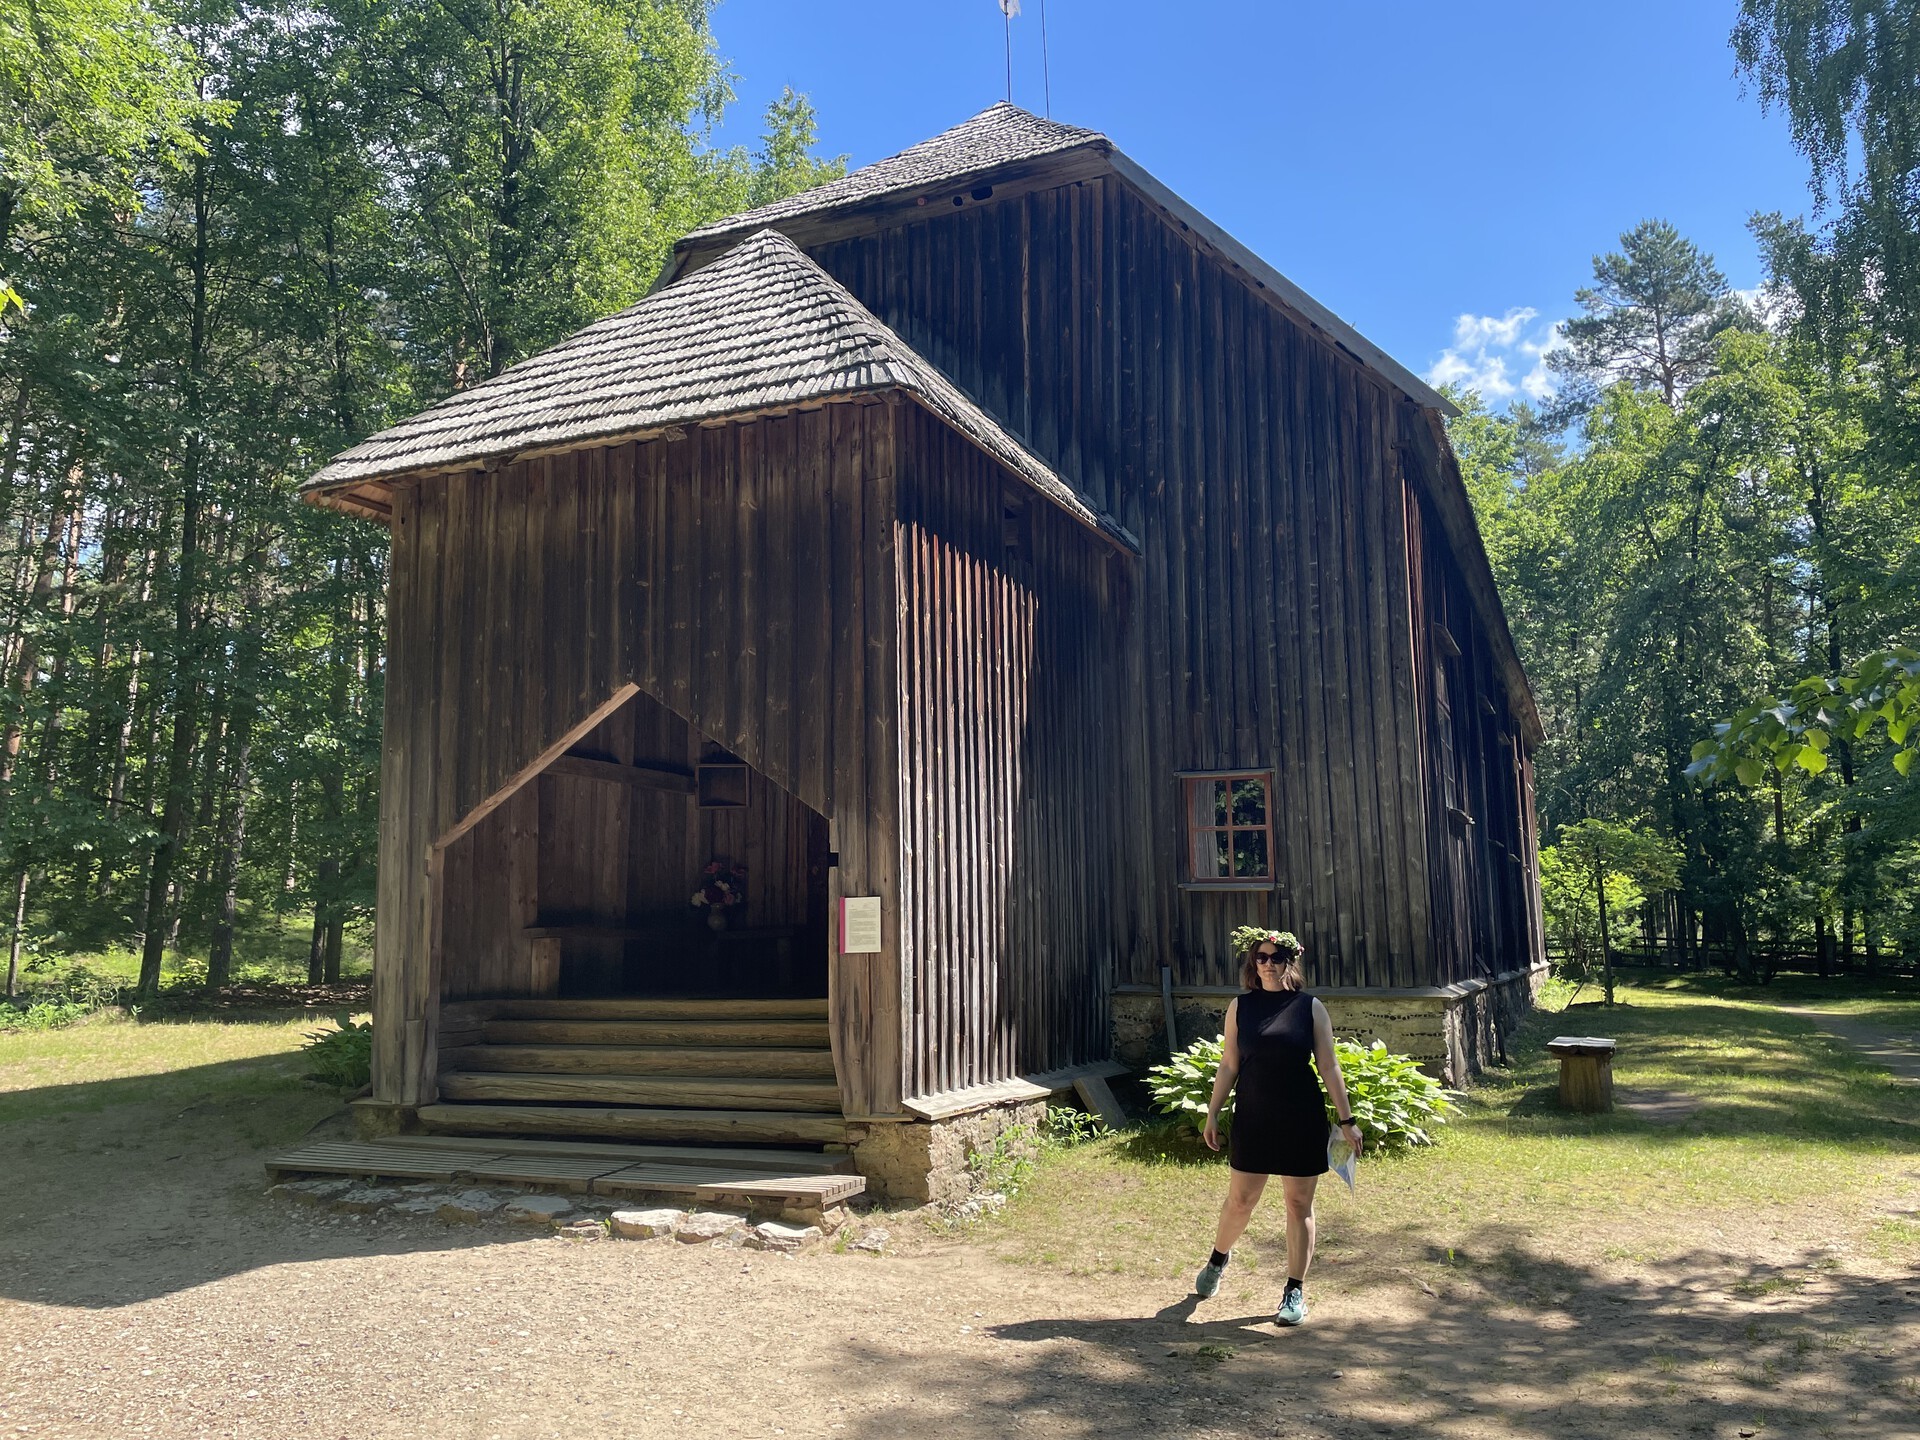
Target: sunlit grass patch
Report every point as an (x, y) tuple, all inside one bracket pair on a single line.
[(1792, 1129)]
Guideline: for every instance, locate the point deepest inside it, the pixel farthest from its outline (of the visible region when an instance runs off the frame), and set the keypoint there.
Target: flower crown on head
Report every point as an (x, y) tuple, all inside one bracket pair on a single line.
[(1245, 937)]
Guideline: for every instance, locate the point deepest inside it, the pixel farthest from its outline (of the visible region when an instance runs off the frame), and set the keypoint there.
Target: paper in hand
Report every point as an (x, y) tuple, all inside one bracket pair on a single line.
[(1341, 1159)]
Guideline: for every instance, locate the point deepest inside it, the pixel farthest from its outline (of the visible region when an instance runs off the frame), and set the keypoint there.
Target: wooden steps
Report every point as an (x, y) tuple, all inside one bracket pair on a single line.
[(765, 1127), (668, 1009), (748, 1179), (644, 1060), (750, 1071), (692, 1092), (769, 1034)]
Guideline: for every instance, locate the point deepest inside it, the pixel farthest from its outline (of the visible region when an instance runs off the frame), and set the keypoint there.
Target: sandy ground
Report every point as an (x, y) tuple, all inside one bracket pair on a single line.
[(144, 1292)]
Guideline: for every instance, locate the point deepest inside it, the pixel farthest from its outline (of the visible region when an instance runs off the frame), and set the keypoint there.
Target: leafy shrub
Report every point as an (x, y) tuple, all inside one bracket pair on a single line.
[(1395, 1103), (1067, 1127), (1183, 1087), (44, 1015), (342, 1057), (62, 999)]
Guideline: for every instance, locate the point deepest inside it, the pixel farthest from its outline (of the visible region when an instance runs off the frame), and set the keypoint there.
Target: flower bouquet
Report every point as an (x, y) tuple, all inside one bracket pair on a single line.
[(722, 886)]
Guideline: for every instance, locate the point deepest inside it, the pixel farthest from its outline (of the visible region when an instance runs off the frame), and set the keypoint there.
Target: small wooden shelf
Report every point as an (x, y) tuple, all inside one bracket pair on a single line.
[(721, 785)]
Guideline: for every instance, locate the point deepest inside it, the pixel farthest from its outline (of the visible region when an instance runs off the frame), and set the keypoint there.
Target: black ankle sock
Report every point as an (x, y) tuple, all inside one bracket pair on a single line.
[(1219, 1257), (1293, 1284)]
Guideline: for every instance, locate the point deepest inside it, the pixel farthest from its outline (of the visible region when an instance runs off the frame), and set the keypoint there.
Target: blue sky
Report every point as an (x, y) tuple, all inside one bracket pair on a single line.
[(1441, 176)]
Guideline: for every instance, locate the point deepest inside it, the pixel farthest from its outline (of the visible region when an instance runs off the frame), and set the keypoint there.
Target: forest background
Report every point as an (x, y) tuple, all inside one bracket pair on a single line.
[(237, 237)]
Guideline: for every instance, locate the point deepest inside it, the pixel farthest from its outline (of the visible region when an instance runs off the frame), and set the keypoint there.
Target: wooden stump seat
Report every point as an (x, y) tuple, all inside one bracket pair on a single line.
[(1586, 1072)]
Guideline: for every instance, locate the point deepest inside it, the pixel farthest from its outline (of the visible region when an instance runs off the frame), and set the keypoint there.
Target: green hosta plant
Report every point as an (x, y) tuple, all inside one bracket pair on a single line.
[(342, 1057), (1395, 1103), (1183, 1087)]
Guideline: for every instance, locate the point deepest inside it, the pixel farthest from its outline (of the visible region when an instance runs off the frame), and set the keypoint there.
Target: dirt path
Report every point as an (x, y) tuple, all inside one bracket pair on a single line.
[(145, 1297), (1898, 1050)]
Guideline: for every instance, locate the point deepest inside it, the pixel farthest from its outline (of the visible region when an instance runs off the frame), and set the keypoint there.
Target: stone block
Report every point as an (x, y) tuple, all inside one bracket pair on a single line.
[(419, 1205), (311, 1192), (704, 1226), (537, 1209), (366, 1199), (925, 1161), (645, 1224), (772, 1235), (469, 1207)]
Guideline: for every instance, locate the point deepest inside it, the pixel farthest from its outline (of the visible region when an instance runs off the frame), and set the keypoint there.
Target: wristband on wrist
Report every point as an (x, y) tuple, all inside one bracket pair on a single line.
[(1344, 1120)]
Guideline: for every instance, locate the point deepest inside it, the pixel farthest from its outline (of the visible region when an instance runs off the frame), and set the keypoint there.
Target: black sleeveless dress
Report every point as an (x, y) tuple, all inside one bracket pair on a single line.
[(1279, 1110)]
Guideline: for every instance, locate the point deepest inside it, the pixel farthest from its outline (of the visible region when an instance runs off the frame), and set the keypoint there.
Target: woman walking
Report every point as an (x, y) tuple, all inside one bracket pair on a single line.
[(1279, 1112)]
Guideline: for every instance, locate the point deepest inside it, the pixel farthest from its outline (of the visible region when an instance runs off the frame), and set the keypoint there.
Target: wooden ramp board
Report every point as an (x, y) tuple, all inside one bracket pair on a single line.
[(378, 1158), (772, 1126), (717, 1182), (784, 1162)]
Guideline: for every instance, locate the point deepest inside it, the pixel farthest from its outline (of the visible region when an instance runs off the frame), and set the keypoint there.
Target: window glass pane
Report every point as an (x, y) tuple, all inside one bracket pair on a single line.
[(1250, 855), (1220, 802), (1216, 855), (1250, 802)]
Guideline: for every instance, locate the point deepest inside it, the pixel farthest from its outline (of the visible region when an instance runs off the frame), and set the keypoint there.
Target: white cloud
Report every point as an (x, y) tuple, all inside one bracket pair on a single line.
[(1500, 356)]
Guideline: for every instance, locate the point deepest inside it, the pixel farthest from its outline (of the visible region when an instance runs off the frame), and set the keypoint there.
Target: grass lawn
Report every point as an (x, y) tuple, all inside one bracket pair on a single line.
[(1773, 1135)]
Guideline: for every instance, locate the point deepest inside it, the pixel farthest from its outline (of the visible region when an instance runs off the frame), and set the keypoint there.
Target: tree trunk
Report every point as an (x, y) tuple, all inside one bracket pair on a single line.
[(227, 873), (1606, 945), (178, 802), (19, 927)]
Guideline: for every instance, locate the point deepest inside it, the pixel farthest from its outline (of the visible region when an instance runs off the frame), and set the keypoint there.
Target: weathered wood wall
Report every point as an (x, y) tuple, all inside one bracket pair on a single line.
[(1010, 625), (1480, 824), (743, 575), (1263, 472)]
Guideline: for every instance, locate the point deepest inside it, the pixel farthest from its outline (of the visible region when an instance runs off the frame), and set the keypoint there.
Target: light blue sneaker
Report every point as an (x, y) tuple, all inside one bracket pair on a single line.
[(1207, 1283), (1293, 1307)]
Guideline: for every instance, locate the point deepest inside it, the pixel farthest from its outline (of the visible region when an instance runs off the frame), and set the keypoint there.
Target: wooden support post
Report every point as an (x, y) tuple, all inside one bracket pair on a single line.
[(1586, 1072), (545, 977)]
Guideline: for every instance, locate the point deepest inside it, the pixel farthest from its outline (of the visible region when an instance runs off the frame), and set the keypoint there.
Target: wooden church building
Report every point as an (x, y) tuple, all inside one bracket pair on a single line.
[(859, 687)]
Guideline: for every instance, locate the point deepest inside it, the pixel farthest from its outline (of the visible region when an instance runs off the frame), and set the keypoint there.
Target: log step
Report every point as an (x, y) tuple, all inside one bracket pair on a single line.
[(771, 1127), (665, 1009), (694, 1092), (763, 1061), (775, 1034)]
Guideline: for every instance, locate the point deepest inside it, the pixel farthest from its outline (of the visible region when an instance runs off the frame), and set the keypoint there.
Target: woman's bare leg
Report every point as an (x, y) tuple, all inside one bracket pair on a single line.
[(1299, 1192), (1243, 1193)]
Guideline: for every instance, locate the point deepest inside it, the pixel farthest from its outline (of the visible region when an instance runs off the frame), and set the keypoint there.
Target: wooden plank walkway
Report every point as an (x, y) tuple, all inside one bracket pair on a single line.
[(723, 1177)]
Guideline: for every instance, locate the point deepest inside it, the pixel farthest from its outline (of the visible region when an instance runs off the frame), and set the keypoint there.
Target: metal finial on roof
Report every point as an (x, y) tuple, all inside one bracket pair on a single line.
[(1009, 9)]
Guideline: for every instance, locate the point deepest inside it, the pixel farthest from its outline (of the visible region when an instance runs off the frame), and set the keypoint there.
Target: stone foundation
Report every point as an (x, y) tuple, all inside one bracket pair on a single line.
[(1455, 1031), (925, 1161), (377, 1119)]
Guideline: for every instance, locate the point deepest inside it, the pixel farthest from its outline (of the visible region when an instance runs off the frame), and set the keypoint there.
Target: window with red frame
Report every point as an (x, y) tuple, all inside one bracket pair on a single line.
[(1229, 826)]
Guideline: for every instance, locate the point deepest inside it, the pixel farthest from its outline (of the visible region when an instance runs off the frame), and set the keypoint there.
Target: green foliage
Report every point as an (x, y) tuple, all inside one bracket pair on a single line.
[(1881, 692), (342, 1056), (1395, 1103), (1006, 1163), (1572, 912), (1183, 1087), (1067, 1127), (62, 998)]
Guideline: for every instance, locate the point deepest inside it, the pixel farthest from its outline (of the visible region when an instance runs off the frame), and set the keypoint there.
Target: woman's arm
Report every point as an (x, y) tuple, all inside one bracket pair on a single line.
[(1336, 1083), (1223, 1082)]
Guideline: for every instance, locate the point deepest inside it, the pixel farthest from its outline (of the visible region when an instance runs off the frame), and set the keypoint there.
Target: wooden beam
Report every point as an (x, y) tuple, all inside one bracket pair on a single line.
[(643, 777)]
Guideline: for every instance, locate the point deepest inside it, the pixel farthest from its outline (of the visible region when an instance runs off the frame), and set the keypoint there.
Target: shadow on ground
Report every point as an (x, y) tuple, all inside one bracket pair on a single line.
[(1513, 1342), (120, 1190)]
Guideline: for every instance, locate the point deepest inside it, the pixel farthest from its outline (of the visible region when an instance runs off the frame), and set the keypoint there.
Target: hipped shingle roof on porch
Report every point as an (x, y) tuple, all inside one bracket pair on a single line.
[(762, 328)]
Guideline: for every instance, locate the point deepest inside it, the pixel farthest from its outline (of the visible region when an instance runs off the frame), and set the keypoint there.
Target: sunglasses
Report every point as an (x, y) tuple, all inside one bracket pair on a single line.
[(1262, 959)]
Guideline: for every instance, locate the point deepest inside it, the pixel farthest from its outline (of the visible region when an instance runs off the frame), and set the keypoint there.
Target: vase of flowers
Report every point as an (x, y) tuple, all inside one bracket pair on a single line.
[(723, 887)]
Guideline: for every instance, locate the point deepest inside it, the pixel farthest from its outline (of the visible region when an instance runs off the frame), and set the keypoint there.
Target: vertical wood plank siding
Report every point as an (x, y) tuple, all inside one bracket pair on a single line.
[(529, 598), (1008, 695), (1264, 473)]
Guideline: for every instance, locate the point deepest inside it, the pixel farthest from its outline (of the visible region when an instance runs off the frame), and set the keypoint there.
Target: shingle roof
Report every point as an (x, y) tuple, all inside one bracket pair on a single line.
[(1002, 134), (761, 328)]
